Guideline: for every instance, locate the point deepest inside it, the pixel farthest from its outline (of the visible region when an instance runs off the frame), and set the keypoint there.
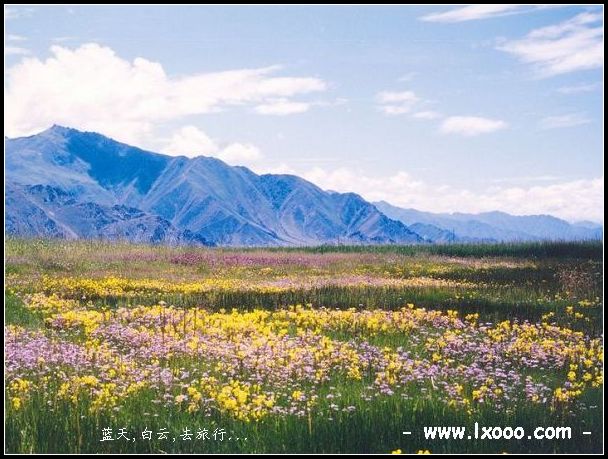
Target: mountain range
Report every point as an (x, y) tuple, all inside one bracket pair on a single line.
[(70, 184), (489, 226)]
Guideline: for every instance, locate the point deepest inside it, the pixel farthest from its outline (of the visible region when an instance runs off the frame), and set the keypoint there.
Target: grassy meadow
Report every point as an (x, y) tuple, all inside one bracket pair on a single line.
[(324, 349)]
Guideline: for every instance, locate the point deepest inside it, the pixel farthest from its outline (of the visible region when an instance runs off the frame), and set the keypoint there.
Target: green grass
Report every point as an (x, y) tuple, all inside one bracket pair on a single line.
[(592, 250), (519, 281), (15, 313), (511, 280), (375, 427)]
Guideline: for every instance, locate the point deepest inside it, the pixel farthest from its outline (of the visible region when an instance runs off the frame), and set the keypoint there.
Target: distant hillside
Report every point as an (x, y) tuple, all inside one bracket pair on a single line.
[(72, 184), (494, 226)]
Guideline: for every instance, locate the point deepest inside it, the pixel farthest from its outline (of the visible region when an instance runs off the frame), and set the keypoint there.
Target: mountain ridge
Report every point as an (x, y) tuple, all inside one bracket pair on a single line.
[(201, 197), (495, 226), (63, 182)]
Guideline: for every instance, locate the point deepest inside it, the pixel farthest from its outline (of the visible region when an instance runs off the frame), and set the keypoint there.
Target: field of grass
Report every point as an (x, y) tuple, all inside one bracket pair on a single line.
[(325, 349)]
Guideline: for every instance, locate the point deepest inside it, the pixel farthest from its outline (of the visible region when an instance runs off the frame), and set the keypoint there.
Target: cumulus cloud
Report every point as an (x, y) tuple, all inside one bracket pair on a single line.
[(571, 200), (410, 104), (470, 126), (92, 88), (573, 45), (564, 121), (191, 141), (396, 102), (240, 154)]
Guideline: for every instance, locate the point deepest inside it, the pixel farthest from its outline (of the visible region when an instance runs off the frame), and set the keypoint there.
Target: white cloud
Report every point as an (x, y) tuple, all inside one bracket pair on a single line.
[(405, 102), (13, 37), (472, 12), (571, 200), (427, 115), (408, 103), (578, 88), (15, 51), (92, 88), (191, 141), (280, 168), (238, 154), (396, 102), (525, 178), (282, 107), (564, 121), (469, 126), (373, 188), (389, 97), (395, 109), (572, 45)]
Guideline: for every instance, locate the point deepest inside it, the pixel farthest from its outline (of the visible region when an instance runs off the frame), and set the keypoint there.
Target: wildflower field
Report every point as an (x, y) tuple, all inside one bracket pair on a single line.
[(133, 348)]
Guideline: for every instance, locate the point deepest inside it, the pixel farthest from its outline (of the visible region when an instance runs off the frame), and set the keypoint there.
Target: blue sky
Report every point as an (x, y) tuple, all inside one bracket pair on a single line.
[(438, 108)]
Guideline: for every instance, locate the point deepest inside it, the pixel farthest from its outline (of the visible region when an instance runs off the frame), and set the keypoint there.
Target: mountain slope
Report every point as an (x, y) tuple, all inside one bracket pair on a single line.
[(44, 210), (493, 226), (433, 233), (103, 188)]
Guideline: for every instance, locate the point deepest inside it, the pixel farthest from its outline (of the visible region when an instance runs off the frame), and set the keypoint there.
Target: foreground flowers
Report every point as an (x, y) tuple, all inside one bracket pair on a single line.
[(117, 287), (296, 361)]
